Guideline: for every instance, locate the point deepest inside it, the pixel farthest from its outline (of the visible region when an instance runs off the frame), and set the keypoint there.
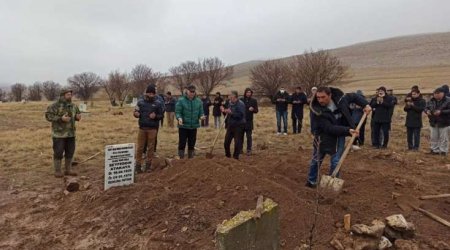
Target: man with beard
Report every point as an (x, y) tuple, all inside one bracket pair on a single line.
[(251, 107), (63, 114)]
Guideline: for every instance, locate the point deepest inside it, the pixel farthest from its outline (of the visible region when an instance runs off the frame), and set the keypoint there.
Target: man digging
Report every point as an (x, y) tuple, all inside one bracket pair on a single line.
[(63, 114)]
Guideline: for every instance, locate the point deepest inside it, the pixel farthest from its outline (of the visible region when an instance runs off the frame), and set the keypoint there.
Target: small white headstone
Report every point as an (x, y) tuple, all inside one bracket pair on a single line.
[(119, 165), (82, 107), (134, 102)]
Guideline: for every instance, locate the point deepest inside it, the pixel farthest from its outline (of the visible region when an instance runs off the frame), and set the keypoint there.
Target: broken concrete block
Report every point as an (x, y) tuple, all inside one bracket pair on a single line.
[(398, 222), (365, 243), (393, 234), (376, 230), (384, 243), (245, 232), (71, 184)]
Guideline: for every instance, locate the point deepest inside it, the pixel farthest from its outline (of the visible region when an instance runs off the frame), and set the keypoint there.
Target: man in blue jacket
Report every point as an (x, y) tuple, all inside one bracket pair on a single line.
[(149, 111), (331, 113), (235, 124)]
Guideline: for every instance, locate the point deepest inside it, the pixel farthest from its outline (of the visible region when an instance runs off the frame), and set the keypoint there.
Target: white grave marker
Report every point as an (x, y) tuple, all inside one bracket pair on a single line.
[(82, 107), (119, 165), (134, 102)]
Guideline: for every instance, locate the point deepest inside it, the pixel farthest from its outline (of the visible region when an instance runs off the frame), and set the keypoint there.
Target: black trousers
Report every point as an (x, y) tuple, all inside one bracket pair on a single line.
[(188, 136), (413, 137), (384, 128), (297, 121), (236, 134), (248, 132), (63, 147)]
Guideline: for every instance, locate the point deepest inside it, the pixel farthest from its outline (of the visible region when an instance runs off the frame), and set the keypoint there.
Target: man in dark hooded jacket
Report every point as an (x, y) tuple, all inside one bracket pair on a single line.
[(251, 107), (217, 103), (382, 106), (414, 107), (331, 113), (298, 99)]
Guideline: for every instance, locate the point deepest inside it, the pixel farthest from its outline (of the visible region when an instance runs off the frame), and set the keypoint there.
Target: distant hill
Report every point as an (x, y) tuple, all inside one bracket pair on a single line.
[(398, 63)]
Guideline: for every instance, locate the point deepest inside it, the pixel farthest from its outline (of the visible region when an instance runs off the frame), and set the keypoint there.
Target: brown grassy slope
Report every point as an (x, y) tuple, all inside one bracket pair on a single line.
[(397, 62)]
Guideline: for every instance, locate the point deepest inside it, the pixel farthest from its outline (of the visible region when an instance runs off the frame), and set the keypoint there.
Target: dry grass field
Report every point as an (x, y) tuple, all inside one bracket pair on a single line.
[(198, 194)]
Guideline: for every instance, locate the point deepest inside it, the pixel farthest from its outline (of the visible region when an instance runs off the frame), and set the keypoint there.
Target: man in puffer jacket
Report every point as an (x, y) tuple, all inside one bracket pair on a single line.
[(188, 111), (438, 112), (150, 112)]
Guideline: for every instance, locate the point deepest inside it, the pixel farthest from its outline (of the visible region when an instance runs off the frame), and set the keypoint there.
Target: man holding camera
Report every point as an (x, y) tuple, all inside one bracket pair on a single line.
[(381, 105), (63, 114), (438, 112), (414, 107)]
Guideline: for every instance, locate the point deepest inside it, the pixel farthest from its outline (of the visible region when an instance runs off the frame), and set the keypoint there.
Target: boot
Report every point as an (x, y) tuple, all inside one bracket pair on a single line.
[(57, 166), (148, 167), (181, 154), (68, 166), (138, 169), (191, 154)]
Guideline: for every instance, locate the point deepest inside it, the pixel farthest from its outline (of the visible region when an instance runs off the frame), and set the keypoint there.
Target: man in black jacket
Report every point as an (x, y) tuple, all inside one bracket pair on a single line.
[(331, 112), (251, 107), (217, 103), (206, 104), (150, 112), (281, 100), (169, 102), (414, 107), (235, 123), (382, 106), (438, 111), (298, 99)]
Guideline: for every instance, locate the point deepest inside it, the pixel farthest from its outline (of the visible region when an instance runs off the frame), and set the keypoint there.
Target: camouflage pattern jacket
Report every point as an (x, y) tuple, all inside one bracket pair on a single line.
[(54, 114)]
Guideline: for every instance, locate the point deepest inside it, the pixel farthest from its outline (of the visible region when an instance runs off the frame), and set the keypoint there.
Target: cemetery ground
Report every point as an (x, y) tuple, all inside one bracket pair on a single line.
[(179, 207)]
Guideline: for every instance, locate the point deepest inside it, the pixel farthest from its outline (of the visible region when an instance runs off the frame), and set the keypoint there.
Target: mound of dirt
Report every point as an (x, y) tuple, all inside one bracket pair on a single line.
[(179, 207)]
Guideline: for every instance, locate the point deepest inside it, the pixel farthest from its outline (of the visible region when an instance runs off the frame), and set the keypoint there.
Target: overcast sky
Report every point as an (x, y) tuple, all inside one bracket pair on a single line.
[(54, 39)]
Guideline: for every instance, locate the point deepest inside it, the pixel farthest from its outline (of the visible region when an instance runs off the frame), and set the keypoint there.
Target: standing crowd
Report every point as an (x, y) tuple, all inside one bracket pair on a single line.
[(334, 115)]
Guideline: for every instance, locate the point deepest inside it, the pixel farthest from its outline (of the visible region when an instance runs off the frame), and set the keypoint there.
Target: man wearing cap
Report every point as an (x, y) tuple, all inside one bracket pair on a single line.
[(188, 111), (381, 105), (281, 100), (150, 112), (170, 102), (438, 112), (63, 114)]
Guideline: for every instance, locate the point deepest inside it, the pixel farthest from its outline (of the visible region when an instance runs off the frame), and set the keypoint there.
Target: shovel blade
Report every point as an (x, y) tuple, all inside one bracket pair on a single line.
[(331, 183)]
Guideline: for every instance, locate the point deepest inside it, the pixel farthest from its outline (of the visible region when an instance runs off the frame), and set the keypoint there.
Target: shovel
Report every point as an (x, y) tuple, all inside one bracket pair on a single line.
[(210, 155), (330, 181)]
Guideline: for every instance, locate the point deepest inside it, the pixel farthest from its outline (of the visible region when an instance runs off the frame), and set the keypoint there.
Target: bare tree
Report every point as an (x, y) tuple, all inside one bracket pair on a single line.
[(212, 74), (35, 92), (269, 76), (117, 86), (51, 90), (141, 76), (85, 84), (162, 84), (18, 91), (2, 95), (185, 74), (316, 69)]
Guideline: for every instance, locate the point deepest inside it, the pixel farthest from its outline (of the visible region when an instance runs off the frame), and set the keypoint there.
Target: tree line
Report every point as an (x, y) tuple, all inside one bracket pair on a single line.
[(310, 69)]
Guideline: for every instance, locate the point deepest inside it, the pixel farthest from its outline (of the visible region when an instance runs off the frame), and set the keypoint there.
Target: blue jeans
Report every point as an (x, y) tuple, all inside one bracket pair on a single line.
[(316, 161), (282, 115)]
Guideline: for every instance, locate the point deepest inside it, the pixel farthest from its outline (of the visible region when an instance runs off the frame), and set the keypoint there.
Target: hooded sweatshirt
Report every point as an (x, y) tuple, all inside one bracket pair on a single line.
[(249, 102)]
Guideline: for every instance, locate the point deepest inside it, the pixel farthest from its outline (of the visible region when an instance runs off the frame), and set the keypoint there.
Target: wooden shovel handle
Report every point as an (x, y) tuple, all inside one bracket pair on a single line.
[(218, 133), (349, 145)]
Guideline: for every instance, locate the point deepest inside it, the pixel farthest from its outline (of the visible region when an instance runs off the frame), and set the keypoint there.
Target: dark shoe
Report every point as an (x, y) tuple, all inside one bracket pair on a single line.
[(181, 154), (228, 155), (249, 152), (310, 185), (433, 153), (148, 167), (443, 153), (138, 169), (191, 154)]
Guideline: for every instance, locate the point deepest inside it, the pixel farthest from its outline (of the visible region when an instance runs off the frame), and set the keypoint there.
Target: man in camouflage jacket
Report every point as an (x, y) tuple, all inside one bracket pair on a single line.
[(63, 114)]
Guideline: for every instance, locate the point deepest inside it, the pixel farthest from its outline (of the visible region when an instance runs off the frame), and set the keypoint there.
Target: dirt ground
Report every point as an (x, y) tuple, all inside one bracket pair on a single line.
[(179, 207)]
